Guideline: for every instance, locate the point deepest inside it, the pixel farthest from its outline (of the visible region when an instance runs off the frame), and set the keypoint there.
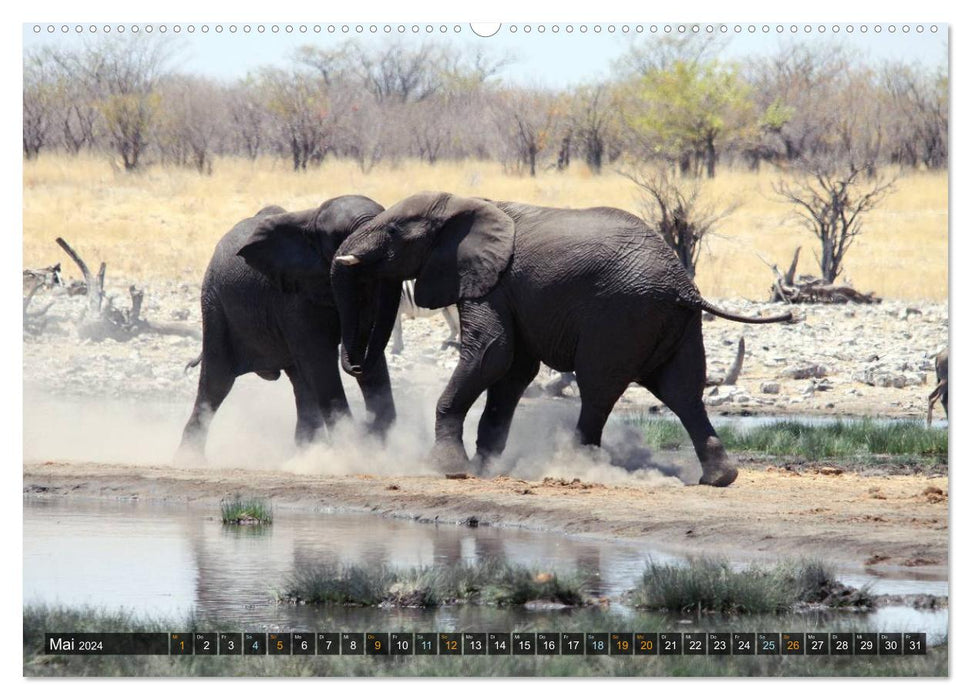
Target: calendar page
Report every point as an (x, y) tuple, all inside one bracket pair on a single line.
[(429, 348)]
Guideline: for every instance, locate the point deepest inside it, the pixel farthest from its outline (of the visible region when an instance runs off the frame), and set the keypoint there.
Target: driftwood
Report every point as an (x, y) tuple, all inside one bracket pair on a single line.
[(46, 277), (733, 372), (104, 320), (807, 289)]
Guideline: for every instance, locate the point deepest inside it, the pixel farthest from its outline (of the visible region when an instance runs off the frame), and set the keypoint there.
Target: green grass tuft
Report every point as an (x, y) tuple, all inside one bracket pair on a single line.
[(246, 511), (712, 586), (863, 438), (493, 582)]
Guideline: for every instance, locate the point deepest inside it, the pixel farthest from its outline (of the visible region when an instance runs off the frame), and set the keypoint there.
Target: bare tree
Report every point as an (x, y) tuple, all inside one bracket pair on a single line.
[(678, 210), (366, 132), (592, 120), (247, 118), (298, 103), (528, 119), (802, 94), (189, 126), (918, 115), (661, 53), (39, 105), (398, 73), (830, 198), (122, 74)]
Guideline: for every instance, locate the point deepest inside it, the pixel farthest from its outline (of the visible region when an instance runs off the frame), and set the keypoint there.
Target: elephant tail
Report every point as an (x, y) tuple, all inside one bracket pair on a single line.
[(193, 363), (712, 309)]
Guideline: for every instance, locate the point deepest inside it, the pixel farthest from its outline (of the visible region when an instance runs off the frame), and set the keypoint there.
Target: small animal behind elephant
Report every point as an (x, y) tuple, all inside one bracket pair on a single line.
[(267, 308), (593, 291), (940, 391), (409, 309)]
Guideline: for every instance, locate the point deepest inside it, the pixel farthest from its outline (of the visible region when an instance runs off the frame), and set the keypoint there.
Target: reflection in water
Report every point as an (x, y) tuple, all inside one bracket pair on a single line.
[(173, 560)]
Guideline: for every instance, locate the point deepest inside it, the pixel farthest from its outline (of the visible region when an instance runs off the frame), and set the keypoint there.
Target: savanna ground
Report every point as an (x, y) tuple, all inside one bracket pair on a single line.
[(157, 228)]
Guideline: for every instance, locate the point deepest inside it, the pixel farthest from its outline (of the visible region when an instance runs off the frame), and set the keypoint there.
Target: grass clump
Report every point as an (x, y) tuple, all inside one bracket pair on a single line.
[(711, 586), (246, 511), (860, 438), (840, 439), (493, 582)]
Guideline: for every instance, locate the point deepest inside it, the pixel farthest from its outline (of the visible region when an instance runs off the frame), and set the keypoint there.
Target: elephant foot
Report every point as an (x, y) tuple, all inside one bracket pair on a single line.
[(189, 456), (483, 462), (715, 465), (449, 457), (722, 476)]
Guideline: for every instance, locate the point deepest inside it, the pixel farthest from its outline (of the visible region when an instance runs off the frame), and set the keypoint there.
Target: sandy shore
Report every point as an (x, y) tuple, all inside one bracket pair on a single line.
[(890, 524)]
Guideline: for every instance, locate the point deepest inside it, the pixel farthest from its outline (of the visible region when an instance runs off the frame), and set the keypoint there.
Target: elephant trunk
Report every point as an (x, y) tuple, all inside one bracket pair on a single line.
[(389, 297), (344, 286), (367, 319)]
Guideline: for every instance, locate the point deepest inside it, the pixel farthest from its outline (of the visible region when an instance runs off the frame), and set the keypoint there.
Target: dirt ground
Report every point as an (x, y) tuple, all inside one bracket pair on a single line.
[(892, 525)]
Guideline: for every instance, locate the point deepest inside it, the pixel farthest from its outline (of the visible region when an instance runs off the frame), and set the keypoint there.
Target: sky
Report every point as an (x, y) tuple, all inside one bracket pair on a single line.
[(547, 58)]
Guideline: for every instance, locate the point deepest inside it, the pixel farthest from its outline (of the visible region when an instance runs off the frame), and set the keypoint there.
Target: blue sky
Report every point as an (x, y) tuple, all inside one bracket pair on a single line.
[(547, 58)]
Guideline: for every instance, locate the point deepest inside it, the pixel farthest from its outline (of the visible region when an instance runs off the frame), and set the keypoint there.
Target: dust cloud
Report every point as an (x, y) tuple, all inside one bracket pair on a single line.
[(254, 430)]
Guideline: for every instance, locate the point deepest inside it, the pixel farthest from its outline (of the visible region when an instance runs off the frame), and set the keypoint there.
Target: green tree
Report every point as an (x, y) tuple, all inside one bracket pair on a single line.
[(685, 110)]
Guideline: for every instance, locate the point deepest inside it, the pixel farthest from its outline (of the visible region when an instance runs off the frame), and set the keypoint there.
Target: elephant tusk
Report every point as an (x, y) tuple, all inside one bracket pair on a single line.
[(347, 259)]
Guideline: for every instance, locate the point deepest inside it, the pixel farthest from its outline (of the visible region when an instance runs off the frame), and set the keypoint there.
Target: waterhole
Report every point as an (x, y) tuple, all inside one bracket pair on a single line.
[(172, 560)]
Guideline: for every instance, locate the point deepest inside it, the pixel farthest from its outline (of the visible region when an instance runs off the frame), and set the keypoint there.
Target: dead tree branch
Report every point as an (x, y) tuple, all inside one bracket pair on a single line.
[(104, 320), (807, 289), (733, 372)]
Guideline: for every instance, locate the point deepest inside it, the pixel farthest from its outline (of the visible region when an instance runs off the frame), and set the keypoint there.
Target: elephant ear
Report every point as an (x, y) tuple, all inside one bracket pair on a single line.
[(289, 252), (472, 248)]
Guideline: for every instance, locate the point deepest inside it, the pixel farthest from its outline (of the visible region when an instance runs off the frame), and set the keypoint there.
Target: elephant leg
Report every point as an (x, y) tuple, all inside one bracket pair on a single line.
[(309, 417), (323, 376), (397, 338), (501, 401), (485, 357), (376, 389), (216, 378), (680, 383), (597, 398)]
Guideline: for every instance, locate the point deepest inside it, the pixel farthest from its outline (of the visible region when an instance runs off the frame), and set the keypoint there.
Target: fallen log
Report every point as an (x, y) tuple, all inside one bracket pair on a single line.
[(808, 289), (104, 320)]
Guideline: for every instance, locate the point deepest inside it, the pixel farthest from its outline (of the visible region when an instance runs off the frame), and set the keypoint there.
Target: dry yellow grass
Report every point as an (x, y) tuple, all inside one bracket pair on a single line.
[(164, 222)]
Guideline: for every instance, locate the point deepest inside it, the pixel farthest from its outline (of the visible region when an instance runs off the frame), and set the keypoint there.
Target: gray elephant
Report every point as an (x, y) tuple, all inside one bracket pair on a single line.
[(940, 390), (267, 308), (593, 291)]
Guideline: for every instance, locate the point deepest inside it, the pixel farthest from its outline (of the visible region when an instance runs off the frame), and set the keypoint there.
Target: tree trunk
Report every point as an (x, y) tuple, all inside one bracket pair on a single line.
[(710, 156), (684, 164)]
